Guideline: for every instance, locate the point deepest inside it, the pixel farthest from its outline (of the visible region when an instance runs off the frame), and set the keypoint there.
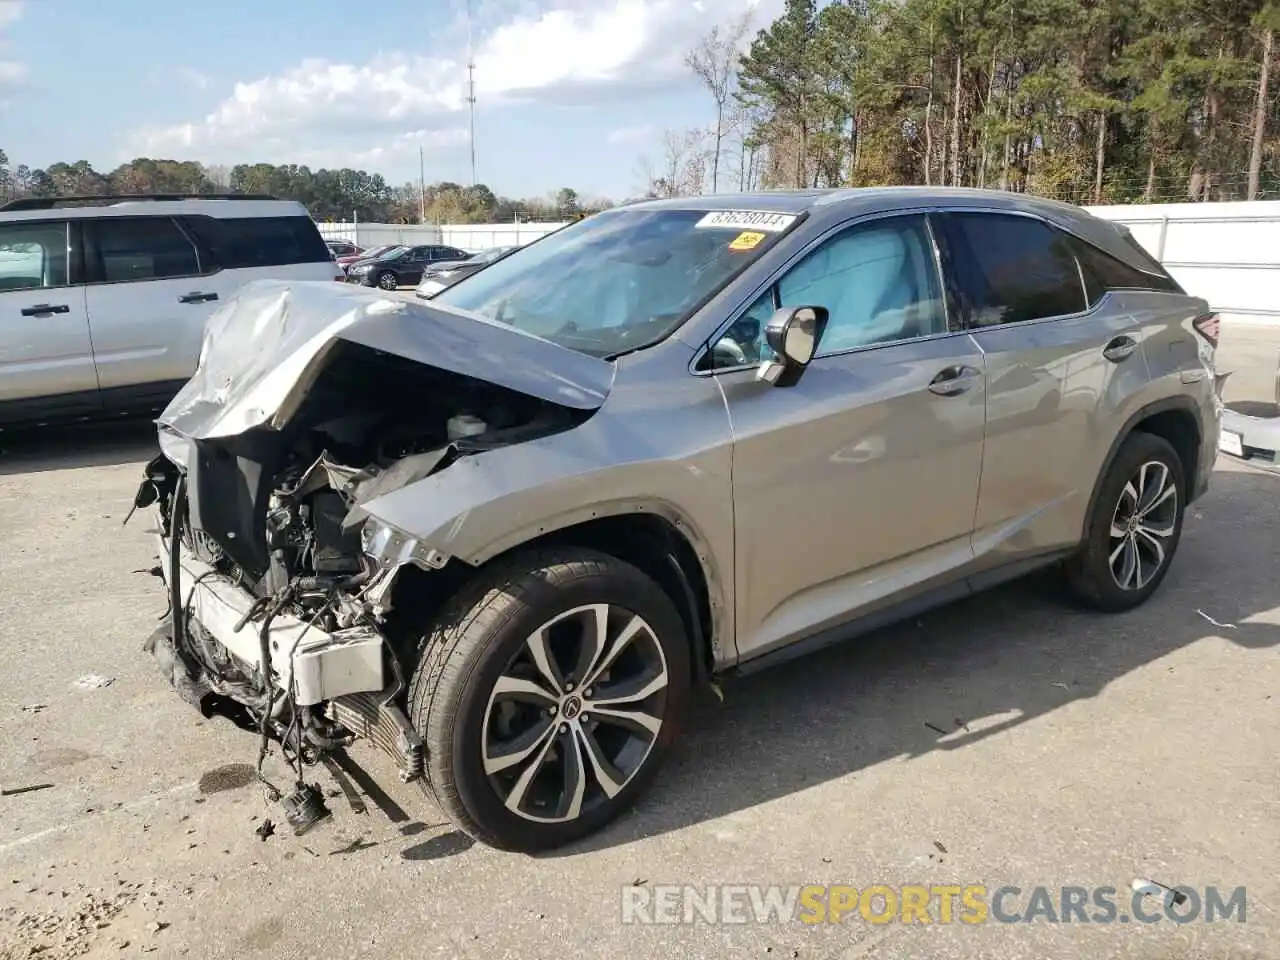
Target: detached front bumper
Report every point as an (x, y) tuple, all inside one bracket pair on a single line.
[(312, 664), (1251, 429), (1255, 438)]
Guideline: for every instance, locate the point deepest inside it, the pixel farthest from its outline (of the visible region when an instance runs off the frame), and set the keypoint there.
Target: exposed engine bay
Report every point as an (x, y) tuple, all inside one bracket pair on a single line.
[(276, 516)]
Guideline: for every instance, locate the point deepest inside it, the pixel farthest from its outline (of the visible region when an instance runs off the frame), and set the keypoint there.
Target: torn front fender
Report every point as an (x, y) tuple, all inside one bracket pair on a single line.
[(265, 347)]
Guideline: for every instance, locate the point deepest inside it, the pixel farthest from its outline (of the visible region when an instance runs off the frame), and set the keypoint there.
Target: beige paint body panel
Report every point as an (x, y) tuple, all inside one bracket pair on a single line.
[(847, 482)]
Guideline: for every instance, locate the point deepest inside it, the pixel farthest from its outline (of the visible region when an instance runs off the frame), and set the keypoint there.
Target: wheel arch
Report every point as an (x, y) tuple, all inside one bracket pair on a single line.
[(1173, 419), (654, 538)]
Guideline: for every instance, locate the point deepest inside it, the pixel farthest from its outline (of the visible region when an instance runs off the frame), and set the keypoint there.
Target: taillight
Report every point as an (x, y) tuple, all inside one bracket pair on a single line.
[(1207, 327)]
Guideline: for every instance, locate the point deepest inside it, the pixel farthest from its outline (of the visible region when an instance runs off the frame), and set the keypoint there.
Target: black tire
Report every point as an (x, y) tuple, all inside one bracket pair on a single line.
[(388, 280), (1089, 573), (467, 649)]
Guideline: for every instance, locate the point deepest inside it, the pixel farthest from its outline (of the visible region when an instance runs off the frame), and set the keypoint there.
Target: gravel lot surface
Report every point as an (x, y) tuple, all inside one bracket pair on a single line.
[(1008, 740)]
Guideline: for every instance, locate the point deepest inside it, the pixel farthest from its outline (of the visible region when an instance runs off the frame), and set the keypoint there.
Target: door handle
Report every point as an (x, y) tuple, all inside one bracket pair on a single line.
[(198, 297), (954, 381), (44, 309), (1120, 348)]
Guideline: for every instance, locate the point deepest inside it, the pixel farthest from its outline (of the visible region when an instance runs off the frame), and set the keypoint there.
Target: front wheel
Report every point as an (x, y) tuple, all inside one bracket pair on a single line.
[(1134, 529), (548, 695), (388, 280)]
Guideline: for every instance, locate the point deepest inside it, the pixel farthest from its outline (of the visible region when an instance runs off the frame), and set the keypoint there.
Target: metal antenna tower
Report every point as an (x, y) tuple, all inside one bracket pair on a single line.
[(471, 94)]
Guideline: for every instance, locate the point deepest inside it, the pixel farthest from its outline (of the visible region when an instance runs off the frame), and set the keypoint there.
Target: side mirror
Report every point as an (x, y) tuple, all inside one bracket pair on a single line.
[(793, 334)]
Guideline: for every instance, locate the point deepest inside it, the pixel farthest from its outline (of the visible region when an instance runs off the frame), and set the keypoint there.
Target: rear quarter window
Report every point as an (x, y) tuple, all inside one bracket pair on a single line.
[(244, 242), (1103, 272)]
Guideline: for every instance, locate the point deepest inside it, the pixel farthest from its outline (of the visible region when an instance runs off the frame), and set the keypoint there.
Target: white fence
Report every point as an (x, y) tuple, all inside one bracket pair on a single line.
[(472, 237), (1228, 253)]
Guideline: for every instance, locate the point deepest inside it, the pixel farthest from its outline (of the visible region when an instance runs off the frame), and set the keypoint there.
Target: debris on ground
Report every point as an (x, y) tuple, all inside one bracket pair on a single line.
[(939, 846), (32, 788), (304, 808), (1059, 683), (94, 681), (155, 926), (33, 707), (1223, 626), (1144, 886), (355, 846), (935, 728), (265, 829)]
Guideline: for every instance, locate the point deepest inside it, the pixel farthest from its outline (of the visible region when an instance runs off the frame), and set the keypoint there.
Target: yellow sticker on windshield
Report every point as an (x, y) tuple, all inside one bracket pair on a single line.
[(747, 240)]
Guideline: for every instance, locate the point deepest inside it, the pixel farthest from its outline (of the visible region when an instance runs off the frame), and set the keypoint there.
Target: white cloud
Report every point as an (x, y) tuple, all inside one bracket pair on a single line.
[(12, 71), (430, 141), (574, 52)]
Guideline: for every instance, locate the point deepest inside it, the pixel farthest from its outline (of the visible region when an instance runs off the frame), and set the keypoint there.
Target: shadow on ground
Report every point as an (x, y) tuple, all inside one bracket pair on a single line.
[(1254, 408), (1021, 651), (42, 449)]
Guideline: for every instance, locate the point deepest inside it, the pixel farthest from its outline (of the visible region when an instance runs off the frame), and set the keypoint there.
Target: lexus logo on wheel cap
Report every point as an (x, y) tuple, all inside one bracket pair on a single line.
[(572, 707)]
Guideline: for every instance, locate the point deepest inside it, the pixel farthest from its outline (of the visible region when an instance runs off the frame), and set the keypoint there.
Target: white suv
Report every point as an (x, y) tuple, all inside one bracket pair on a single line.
[(103, 300)]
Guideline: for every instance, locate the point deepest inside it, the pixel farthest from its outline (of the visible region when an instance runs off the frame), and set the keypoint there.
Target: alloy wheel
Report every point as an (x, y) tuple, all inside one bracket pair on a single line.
[(387, 281), (1142, 526), (575, 714)]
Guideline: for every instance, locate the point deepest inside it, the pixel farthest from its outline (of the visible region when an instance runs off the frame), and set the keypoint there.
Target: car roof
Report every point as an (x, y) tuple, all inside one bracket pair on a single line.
[(871, 198), (147, 207), (774, 201)]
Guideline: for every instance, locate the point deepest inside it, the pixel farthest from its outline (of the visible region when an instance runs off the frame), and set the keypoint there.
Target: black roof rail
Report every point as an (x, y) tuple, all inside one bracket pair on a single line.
[(54, 203)]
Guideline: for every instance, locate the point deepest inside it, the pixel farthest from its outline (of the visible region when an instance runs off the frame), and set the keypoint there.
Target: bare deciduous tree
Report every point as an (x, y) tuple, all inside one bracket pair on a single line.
[(681, 171), (714, 62)]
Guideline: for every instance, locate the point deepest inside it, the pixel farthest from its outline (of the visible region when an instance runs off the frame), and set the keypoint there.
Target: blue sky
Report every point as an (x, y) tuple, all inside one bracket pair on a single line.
[(569, 92)]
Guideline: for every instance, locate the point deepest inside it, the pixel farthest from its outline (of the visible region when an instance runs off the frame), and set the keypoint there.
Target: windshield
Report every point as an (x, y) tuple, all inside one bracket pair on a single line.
[(620, 280), (391, 252)]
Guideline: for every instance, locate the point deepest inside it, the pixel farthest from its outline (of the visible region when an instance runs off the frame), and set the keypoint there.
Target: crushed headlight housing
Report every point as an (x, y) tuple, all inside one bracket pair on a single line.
[(389, 546)]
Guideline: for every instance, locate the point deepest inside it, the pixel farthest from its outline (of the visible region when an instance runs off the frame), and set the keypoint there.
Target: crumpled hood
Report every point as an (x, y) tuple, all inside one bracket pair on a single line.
[(263, 349)]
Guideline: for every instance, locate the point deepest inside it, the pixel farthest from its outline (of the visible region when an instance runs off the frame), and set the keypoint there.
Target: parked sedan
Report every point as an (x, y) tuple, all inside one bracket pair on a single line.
[(376, 253), (442, 275), (361, 255), (401, 266)]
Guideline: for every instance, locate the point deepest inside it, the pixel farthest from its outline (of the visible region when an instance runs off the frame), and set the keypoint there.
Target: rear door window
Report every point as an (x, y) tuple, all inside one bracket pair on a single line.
[(123, 249), (243, 242), (1010, 269)]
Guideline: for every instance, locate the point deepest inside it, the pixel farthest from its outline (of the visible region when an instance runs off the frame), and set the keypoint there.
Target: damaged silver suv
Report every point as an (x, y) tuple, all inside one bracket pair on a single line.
[(506, 533)]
